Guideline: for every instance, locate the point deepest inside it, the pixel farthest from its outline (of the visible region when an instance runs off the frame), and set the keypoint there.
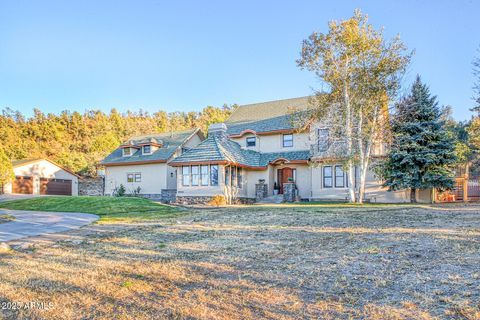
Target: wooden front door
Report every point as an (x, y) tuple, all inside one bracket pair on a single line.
[(283, 176)]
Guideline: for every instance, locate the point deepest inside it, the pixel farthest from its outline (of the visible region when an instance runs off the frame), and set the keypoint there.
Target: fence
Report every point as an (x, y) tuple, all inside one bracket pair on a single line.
[(466, 189)]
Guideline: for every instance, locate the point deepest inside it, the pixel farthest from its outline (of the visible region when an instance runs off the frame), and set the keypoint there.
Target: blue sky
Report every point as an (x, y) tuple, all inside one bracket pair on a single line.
[(184, 55)]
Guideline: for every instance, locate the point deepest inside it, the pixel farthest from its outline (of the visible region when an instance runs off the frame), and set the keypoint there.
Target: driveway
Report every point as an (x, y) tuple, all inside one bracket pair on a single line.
[(11, 197), (33, 223)]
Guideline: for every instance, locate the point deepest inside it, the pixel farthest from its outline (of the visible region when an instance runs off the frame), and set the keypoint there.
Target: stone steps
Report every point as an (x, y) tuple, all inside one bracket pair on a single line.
[(275, 199)]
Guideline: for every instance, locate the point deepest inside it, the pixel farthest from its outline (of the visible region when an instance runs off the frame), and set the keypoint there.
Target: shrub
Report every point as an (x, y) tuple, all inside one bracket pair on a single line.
[(217, 201), (120, 191)]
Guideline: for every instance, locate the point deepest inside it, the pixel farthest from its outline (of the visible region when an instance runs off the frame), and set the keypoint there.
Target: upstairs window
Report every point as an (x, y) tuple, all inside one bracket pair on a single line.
[(251, 141), (147, 149), (287, 140), (127, 152)]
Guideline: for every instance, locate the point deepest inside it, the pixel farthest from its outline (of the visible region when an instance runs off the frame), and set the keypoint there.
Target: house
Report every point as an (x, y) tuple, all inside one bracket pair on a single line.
[(260, 151), (41, 177), (140, 165)]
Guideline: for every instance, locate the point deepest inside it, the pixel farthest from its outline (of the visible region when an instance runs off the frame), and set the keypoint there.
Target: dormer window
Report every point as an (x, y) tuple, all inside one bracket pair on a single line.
[(127, 152), (251, 141), (147, 149)]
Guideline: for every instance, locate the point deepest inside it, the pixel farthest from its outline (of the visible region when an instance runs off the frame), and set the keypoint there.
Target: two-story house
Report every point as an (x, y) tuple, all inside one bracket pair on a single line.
[(260, 144)]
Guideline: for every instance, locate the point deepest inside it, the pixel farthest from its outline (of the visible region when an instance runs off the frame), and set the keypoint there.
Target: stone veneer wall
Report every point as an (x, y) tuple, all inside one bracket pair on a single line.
[(261, 191), (289, 192), (91, 186), (168, 195), (193, 200)]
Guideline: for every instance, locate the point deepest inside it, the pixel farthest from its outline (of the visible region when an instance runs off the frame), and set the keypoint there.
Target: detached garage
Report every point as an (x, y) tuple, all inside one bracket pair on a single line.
[(41, 176)]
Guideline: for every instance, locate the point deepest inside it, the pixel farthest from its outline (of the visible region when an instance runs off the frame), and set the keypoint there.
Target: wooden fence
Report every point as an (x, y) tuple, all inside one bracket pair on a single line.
[(466, 189)]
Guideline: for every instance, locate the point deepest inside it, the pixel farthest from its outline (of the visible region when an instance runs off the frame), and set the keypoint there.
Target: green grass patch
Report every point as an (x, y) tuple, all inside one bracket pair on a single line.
[(6, 218), (110, 209)]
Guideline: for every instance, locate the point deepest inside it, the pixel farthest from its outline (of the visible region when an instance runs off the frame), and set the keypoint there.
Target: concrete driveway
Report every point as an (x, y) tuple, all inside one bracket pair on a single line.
[(33, 223), (10, 197)]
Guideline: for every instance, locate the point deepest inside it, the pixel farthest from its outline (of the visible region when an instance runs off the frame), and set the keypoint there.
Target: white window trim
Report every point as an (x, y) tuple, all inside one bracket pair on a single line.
[(147, 153), (246, 142), (283, 140), (127, 155)]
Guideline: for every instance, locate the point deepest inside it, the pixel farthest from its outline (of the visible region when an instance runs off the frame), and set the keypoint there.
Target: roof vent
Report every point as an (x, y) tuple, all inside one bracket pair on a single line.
[(217, 128)]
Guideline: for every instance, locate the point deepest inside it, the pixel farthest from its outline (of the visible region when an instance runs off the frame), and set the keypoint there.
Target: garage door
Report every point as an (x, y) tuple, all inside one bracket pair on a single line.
[(23, 185), (56, 187)]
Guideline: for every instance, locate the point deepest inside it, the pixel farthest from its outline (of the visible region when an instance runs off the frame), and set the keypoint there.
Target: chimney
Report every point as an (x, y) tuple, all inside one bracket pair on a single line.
[(218, 129)]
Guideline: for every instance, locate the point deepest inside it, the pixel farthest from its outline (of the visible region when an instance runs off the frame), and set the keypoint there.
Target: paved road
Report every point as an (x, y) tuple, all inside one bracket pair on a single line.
[(32, 223)]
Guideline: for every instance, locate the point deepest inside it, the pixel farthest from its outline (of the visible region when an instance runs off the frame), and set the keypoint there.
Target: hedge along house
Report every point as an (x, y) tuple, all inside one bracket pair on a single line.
[(41, 177), (260, 151), (140, 165)]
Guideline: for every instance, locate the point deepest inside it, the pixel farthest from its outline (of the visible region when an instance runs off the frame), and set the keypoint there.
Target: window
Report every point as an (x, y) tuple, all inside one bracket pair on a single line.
[(233, 170), (327, 177), (227, 176), (138, 177), (323, 140), (147, 149), (251, 141), (127, 152), (195, 175), (214, 175), (339, 177), (204, 175), (186, 176), (288, 140), (239, 177), (134, 177)]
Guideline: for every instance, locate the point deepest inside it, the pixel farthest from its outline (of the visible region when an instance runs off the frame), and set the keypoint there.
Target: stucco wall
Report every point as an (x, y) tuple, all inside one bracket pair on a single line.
[(374, 191), (274, 142), (43, 169), (154, 178)]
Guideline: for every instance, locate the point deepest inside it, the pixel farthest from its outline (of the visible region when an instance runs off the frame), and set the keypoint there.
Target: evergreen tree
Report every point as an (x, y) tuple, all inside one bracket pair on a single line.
[(421, 154)]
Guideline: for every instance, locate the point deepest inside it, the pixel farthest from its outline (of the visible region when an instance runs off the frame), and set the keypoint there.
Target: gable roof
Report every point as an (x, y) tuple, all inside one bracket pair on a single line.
[(266, 117), (217, 148), (22, 162), (170, 143)]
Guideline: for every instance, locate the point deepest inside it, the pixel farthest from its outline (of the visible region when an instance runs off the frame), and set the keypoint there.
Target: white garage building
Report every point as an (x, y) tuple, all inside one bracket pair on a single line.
[(41, 177)]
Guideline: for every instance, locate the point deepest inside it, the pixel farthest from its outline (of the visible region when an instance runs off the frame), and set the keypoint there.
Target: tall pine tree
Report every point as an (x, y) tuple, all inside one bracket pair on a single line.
[(421, 154)]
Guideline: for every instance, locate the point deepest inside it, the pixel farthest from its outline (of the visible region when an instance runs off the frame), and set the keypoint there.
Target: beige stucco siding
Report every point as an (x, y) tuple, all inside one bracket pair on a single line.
[(274, 142), (43, 169), (153, 178)]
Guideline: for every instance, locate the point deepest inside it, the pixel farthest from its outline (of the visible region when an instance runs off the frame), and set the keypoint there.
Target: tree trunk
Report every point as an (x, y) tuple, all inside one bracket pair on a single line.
[(413, 195), (348, 129), (365, 153)]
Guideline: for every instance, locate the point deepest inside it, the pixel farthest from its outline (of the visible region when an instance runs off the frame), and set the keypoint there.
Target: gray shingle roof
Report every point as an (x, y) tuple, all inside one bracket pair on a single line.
[(217, 147), (266, 116), (170, 143)]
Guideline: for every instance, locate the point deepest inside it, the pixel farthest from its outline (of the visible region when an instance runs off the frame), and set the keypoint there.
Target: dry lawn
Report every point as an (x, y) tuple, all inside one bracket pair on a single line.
[(258, 262)]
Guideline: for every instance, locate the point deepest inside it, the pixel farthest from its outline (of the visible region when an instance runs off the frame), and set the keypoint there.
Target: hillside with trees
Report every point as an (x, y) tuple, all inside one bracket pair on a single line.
[(78, 141)]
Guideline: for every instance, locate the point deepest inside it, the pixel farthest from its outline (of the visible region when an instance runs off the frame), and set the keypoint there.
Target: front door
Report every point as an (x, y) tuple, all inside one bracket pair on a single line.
[(283, 176)]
